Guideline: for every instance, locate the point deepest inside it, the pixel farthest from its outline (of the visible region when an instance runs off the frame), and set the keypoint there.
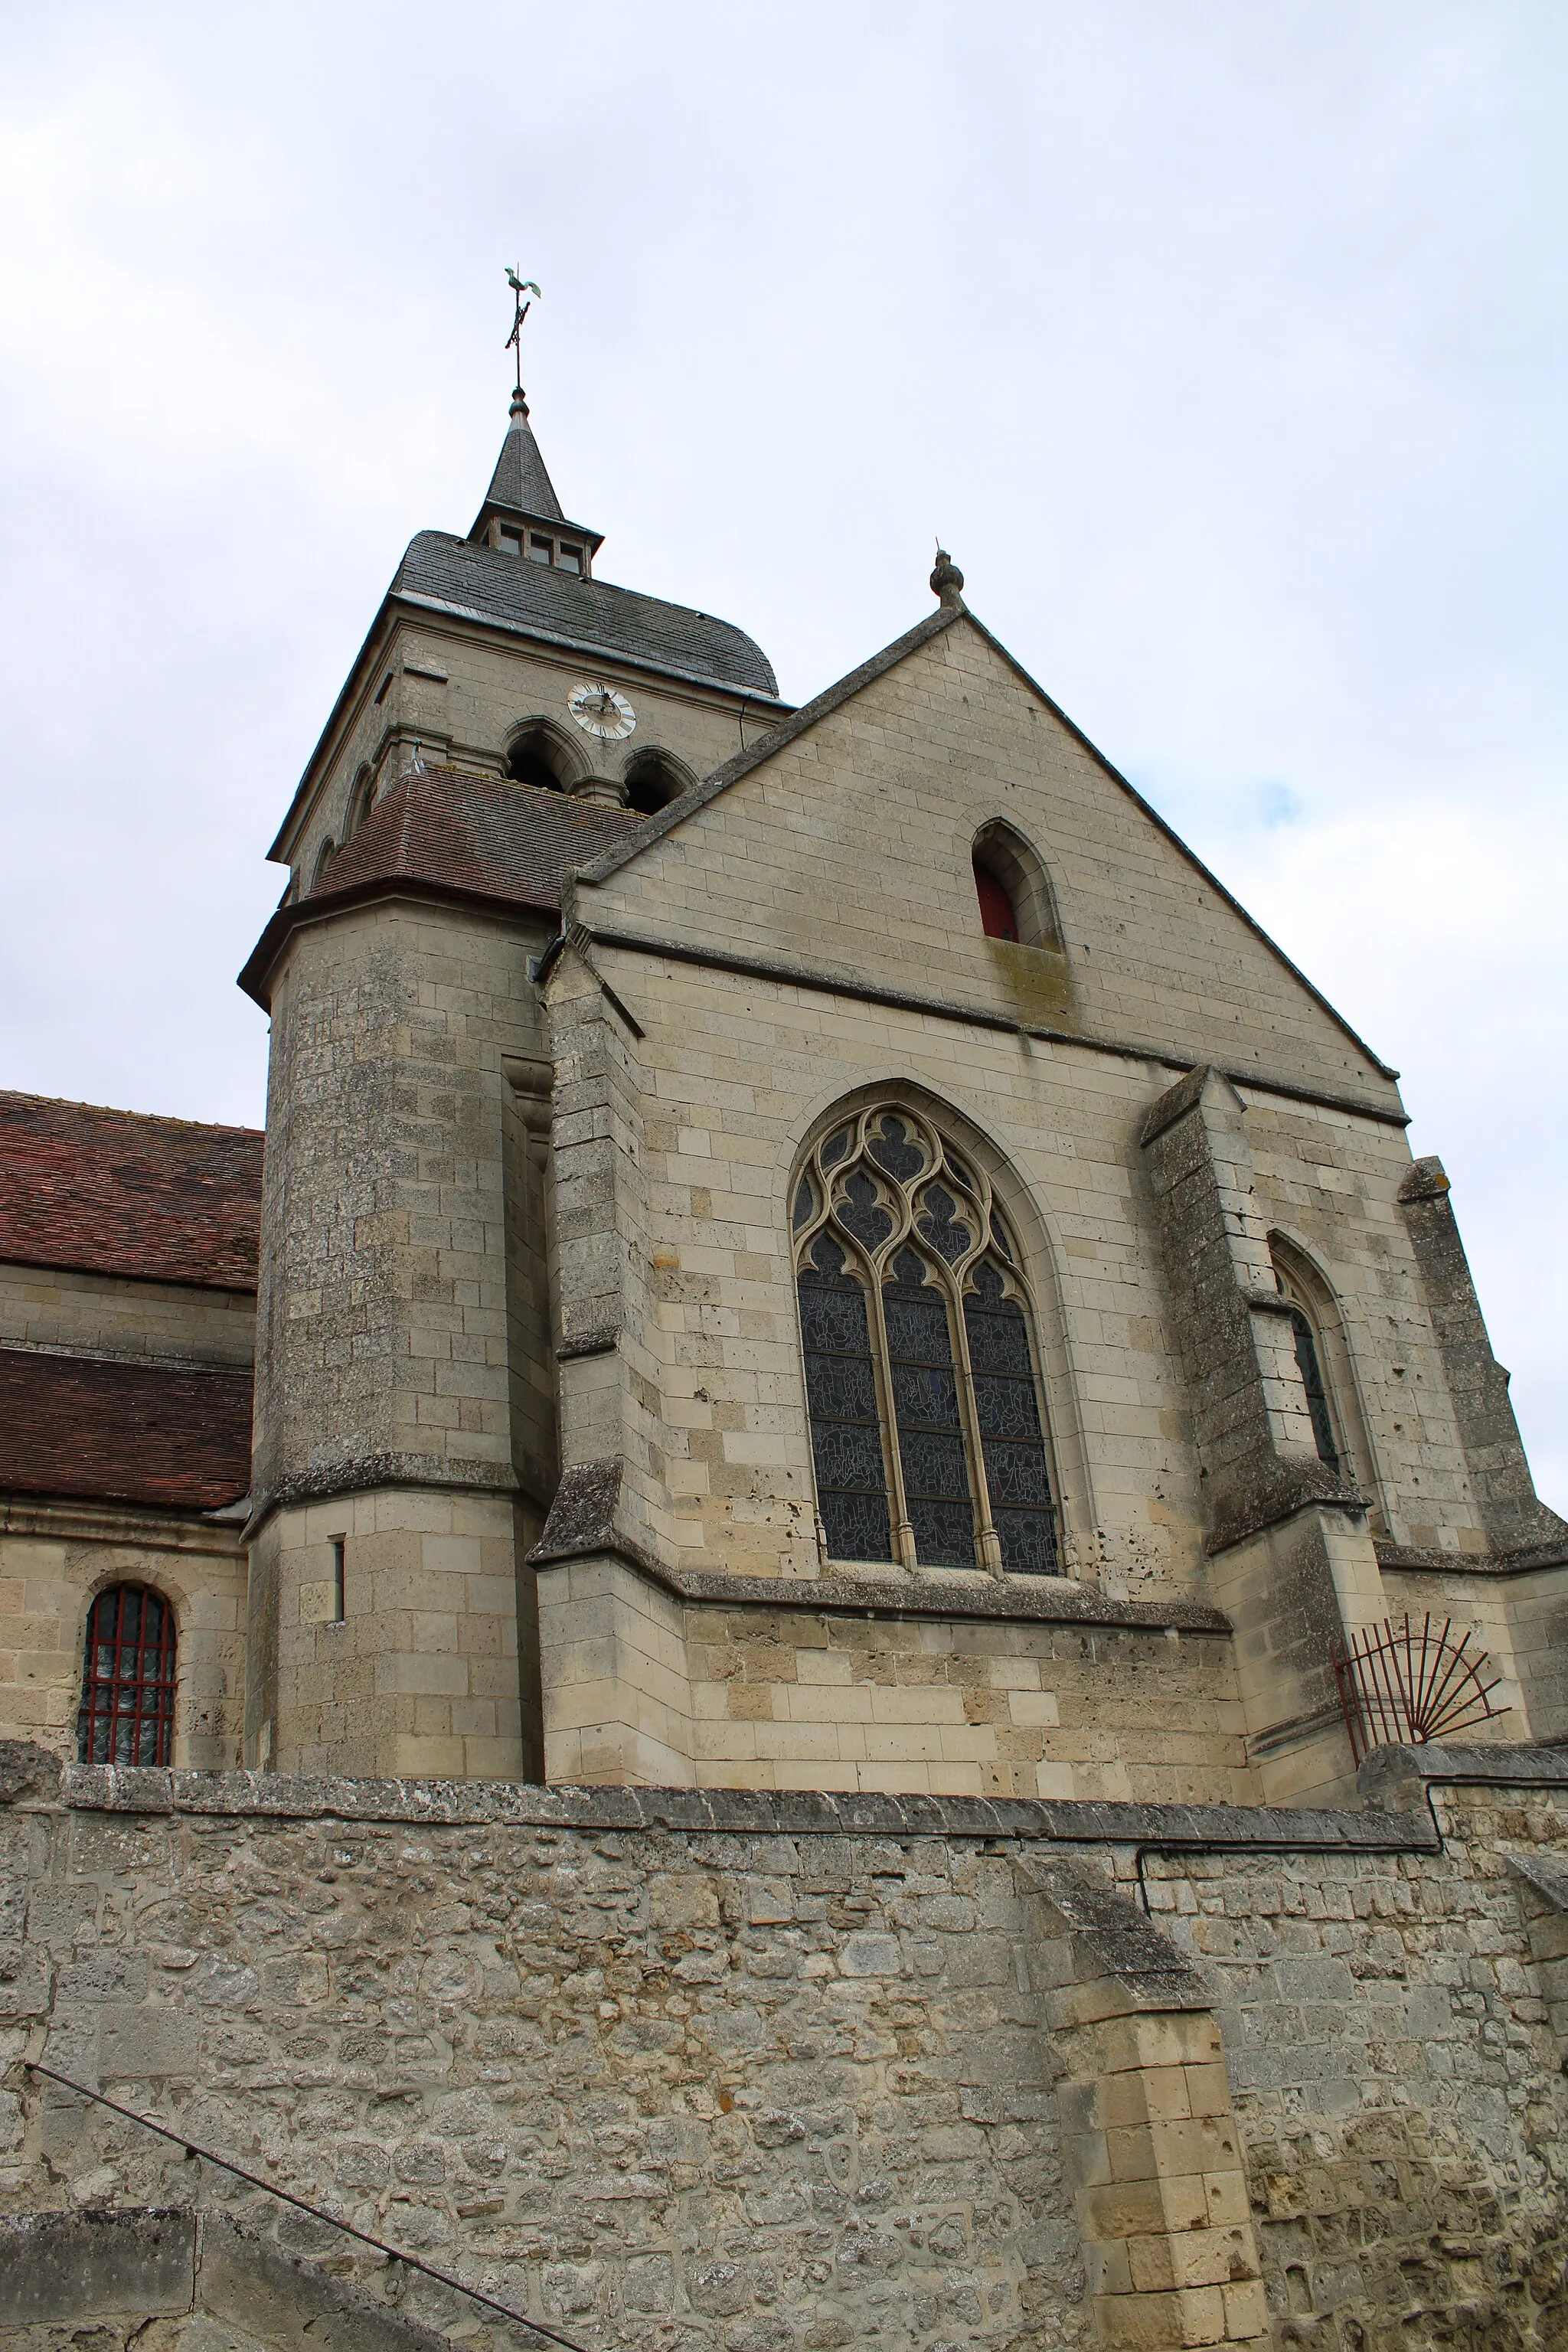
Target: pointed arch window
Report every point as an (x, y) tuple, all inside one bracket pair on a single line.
[(1309, 1365), (362, 799), (1321, 1359), (927, 1431), (653, 779), (127, 1712), (537, 753), (1017, 900)]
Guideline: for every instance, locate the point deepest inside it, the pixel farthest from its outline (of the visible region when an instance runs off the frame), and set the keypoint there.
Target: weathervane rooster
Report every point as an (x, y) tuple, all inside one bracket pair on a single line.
[(519, 287)]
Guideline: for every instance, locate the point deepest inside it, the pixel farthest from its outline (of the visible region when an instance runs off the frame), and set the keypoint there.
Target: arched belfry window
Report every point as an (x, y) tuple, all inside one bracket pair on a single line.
[(537, 753), (926, 1430), (653, 779), (127, 1713), (362, 799)]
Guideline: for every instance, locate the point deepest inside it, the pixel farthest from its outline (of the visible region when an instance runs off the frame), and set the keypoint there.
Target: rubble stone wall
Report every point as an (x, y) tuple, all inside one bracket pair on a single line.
[(758, 2072)]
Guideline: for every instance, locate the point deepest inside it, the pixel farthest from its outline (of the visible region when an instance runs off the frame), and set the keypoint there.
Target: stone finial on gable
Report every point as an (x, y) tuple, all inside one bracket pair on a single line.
[(946, 580)]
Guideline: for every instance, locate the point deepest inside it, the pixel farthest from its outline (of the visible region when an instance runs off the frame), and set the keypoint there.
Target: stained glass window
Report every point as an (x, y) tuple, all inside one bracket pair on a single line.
[(127, 1713), (841, 1390), (925, 1406), (926, 1423), (1317, 1395), (862, 1211), (891, 1149), (938, 1219), (1009, 1418)]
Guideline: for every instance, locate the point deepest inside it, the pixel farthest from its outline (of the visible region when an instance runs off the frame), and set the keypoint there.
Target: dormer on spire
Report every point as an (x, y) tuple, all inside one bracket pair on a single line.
[(522, 515)]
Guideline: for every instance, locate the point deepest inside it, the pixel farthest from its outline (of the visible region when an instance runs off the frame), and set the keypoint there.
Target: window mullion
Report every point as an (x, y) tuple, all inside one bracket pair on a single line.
[(903, 1526), (987, 1543)]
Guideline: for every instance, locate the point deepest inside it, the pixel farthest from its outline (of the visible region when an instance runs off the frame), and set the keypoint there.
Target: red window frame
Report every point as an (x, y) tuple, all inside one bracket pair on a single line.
[(127, 1713), (998, 918)]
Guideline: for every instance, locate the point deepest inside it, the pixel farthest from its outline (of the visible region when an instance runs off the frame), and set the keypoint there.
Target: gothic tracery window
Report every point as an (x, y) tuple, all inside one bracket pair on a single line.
[(926, 1426)]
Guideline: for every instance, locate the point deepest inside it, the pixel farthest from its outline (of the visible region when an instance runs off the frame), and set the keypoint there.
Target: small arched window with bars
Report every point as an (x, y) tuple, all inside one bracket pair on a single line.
[(127, 1713), (927, 1424)]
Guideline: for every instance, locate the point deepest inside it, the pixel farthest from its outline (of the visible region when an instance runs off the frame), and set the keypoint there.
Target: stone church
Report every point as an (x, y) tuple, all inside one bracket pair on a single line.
[(812, 1616)]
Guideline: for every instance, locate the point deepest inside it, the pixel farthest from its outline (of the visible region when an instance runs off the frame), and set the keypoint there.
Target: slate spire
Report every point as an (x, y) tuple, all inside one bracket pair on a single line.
[(520, 484), (522, 508)]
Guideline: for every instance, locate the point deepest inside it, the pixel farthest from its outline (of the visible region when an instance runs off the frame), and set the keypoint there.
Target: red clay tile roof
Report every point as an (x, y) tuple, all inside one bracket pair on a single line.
[(480, 834), (122, 1433), (450, 830), (110, 1192)]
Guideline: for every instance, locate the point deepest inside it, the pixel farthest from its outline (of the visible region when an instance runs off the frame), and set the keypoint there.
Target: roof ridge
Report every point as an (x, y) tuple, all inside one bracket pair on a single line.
[(114, 1110), (412, 779)]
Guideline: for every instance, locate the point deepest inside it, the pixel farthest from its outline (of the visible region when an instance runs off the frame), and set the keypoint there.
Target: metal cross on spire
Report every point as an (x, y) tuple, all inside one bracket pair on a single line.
[(519, 287)]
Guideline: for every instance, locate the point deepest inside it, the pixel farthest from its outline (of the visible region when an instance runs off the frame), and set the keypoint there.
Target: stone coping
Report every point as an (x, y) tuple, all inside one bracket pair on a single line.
[(27, 1771), (1528, 1559), (1401, 1776), (128, 1523), (1048, 1601)]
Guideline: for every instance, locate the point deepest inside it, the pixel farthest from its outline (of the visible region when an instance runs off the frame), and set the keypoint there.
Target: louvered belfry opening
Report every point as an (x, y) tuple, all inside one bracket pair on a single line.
[(127, 1713)]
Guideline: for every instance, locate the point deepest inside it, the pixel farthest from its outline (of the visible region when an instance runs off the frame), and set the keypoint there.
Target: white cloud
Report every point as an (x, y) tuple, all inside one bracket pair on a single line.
[(1224, 345)]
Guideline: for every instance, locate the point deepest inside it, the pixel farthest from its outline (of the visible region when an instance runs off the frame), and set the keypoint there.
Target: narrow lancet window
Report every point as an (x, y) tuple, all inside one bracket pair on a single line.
[(927, 1428), (1010, 1434), (841, 1390), (1311, 1372), (1316, 1333), (925, 1407)]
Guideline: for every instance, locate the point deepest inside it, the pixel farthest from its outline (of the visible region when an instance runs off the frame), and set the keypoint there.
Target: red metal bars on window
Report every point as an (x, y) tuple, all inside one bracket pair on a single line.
[(127, 1713), (1401, 1686)]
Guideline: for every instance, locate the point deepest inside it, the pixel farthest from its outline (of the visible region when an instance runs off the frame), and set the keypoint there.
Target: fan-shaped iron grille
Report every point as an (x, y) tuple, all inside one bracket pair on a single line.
[(1401, 1686)]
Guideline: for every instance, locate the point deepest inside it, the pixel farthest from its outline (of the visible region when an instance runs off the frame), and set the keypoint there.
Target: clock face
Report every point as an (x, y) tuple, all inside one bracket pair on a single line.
[(600, 710)]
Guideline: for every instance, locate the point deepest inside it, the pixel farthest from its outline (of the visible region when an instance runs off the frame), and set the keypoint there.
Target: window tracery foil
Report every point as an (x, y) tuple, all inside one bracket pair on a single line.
[(926, 1426)]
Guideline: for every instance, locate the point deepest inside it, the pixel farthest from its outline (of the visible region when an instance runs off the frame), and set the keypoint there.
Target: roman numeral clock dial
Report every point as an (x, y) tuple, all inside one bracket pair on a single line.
[(600, 711)]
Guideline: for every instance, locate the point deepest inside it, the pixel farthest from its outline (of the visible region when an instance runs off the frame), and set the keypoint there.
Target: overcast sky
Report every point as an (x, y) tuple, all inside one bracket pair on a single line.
[(1223, 343)]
